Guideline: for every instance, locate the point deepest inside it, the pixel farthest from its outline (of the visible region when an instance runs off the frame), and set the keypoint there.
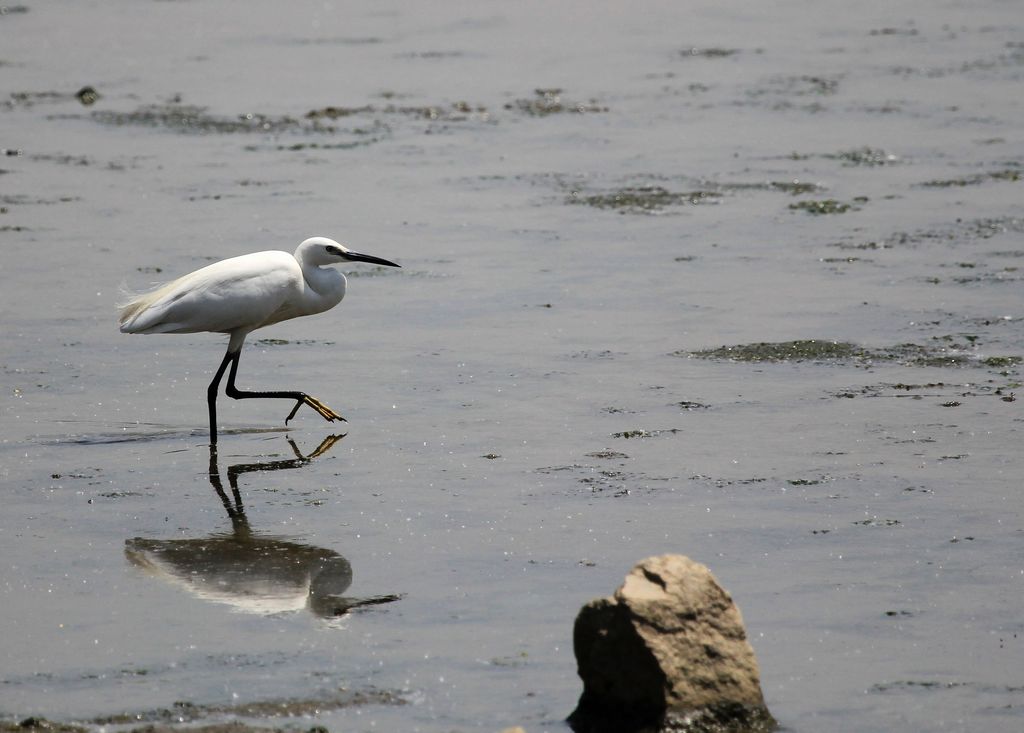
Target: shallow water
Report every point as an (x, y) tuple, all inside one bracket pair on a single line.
[(526, 416)]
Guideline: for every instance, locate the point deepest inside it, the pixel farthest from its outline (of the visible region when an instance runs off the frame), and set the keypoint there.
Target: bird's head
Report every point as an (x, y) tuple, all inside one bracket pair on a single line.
[(319, 251)]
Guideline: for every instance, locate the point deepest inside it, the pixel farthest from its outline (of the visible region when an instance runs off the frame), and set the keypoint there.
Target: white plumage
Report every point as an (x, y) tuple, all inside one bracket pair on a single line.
[(238, 295)]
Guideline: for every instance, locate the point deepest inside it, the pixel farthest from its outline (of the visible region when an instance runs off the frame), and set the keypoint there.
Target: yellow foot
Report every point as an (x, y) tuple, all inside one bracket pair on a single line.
[(326, 445), (325, 412)]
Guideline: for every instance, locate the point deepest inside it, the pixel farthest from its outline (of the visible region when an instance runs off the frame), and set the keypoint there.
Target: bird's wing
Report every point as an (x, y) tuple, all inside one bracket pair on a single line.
[(238, 293)]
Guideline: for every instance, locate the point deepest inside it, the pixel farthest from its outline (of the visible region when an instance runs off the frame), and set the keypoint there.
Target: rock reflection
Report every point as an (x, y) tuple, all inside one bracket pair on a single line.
[(252, 572)]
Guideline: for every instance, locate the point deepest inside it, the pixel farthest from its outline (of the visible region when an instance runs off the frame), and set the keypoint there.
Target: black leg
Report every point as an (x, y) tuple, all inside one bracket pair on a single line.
[(301, 398), (211, 393), (235, 510)]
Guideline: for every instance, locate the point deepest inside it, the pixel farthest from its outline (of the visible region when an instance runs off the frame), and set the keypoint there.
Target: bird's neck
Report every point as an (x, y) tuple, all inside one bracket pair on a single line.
[(327, 286)]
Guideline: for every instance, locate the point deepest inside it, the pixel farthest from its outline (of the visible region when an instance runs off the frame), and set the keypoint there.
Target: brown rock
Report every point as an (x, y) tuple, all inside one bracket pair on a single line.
[(667, 652)]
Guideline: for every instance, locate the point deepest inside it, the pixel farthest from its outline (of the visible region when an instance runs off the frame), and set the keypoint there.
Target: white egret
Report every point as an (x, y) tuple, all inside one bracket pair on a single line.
[(238, 295)]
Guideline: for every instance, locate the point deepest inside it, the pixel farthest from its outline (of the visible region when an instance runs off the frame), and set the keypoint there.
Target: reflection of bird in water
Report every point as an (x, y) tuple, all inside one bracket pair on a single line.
[(254, 573), (260, 575)]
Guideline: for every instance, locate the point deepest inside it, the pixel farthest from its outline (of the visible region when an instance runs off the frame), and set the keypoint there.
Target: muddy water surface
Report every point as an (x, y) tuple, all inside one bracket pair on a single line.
[(742, 284)]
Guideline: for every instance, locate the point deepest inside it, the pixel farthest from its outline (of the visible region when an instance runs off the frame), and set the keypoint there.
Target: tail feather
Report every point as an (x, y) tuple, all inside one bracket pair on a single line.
[(128, 310), (135, 305)]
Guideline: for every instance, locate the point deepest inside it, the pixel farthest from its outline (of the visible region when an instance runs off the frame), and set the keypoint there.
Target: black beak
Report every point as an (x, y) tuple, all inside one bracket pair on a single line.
[(356, 257)]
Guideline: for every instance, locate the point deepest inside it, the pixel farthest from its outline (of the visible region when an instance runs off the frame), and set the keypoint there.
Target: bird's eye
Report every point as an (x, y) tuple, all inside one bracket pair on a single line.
[(331, 249)]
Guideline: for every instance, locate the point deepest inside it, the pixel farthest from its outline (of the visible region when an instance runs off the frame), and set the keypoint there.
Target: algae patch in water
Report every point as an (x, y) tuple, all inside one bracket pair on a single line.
[(627, 434), (960, 231), (454, 112), (29, 725), (824, 207), (796, 187), (874, 522), (889, 31), (1008, 174), (287, 342), (288, 708), (864, 156), (550, 102), (1001, 362), (818, 84), (193, 119), (834, 351), (805, 350), (709, 53), (642, 199), (199, 120), (801, 85), (651, 198)]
